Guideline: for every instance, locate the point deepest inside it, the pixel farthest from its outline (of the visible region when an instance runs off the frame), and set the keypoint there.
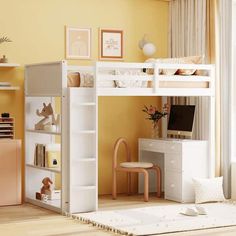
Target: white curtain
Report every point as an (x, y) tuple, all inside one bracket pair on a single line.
[(224, 73), (188, 27), (188, 37), (233, 80)]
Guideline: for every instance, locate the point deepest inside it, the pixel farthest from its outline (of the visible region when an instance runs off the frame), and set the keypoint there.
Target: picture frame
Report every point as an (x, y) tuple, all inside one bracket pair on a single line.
[(111, 44), (78, 43)]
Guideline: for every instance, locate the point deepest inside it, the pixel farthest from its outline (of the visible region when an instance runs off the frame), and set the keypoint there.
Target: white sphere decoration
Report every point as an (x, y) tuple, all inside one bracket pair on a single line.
[(149, 49)]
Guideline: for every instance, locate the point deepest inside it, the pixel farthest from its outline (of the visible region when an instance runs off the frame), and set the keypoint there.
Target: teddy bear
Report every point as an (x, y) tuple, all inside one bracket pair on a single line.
[(46, 186)]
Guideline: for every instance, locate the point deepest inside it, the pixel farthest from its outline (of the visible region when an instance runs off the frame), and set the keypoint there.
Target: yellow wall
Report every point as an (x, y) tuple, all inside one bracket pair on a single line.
[(37, 29)]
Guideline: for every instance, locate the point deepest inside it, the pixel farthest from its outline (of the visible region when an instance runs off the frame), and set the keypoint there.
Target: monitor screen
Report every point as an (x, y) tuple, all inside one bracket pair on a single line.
[(181, 119)]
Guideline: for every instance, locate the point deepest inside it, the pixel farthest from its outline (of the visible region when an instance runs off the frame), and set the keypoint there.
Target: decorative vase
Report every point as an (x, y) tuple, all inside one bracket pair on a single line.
[(155, 131)]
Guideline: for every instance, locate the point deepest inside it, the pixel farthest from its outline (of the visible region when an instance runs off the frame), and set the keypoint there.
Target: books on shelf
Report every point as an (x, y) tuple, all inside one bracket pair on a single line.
[(39, 155), (7, 127), (5, 84), (47, 155)]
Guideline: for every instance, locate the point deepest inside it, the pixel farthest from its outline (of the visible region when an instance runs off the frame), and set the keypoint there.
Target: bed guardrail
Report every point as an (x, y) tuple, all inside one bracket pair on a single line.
[(122, 78)]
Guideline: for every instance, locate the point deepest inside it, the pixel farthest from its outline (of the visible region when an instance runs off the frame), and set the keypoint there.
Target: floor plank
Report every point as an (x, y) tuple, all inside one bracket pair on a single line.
[(29, 220)]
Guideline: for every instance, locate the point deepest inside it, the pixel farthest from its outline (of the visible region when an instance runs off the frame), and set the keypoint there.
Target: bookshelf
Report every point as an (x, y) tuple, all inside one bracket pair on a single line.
[(76, 176), (39, 143)]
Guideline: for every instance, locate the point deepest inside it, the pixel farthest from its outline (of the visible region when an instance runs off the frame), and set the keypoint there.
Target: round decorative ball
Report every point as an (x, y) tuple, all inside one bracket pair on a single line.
[(149, 49)]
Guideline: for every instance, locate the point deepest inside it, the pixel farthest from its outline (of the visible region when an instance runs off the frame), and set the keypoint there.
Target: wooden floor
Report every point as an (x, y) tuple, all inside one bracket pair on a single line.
[(29, 220)]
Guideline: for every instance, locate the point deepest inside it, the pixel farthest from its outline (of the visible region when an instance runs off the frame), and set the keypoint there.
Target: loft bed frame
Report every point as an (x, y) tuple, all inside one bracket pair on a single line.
[(161, 85), (46, 81)]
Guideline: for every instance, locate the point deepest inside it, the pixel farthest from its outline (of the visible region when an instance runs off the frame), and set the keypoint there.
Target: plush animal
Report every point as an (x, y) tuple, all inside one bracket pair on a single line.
[(46, 188), (46, 112)]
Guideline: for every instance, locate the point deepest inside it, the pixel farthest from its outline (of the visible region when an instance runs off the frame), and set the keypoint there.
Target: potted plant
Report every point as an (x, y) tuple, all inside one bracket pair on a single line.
[(4, 39)]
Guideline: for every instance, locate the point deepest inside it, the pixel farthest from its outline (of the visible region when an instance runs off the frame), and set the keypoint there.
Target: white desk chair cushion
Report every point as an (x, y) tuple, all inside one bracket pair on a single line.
[(136, 165)]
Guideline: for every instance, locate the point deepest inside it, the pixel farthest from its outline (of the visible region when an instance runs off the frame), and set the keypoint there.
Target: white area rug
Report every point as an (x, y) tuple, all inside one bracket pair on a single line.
[(161, 219)]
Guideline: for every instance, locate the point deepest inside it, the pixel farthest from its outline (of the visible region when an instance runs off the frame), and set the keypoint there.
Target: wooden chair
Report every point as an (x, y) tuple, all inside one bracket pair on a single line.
[(133, 167)]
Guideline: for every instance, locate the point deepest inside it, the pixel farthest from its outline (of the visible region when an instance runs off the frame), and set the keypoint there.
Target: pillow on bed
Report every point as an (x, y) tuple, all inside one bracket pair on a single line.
[(181, 60), (164, 60), (190, 60), (208, 190)]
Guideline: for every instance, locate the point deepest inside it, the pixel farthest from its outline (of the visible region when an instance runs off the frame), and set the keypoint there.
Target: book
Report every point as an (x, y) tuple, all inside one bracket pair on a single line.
[(5, 84), (39, 155)]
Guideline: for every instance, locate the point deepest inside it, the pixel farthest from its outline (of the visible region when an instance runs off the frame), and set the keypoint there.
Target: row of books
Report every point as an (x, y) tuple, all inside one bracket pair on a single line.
[(47, 155), (5, 84)]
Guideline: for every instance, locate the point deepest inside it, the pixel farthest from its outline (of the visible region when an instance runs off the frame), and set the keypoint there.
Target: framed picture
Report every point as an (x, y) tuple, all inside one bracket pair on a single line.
[(78, 43), (111, 44)]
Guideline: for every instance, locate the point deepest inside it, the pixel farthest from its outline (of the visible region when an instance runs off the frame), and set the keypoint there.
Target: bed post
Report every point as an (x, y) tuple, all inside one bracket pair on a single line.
[(212, 133), (164, 120), (95, 86)]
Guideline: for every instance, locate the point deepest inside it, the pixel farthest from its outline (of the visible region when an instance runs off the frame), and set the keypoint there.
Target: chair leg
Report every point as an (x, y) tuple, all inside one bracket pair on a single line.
[(129, 182), (146, 185), (158, 179), (114, 185)]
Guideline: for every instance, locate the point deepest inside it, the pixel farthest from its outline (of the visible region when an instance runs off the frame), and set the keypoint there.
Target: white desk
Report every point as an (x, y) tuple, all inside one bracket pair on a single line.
[(180, 161)]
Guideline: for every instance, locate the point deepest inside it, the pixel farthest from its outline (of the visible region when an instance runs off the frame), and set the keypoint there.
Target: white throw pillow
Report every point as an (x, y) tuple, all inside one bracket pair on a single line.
[(208, 190), (178, 60)]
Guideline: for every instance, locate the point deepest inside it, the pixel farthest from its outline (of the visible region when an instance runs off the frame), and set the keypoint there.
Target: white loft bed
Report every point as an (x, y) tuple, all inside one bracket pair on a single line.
[(161, 85), (47, 80)]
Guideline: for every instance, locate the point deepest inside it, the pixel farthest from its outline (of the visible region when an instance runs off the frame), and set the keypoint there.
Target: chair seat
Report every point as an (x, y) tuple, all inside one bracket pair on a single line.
[(136, 165)]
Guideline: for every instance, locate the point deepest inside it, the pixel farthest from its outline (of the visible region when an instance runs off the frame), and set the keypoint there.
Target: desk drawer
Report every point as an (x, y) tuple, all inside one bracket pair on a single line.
[(152, 145), (171, 147), (173, 162), (173, 185)]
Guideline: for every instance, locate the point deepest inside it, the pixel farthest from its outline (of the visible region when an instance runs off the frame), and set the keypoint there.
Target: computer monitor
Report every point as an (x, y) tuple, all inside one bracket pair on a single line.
[(181, 120)]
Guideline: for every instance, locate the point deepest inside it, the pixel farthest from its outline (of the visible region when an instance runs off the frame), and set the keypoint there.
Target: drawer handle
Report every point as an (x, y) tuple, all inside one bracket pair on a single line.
[(172, 161), (150, 144), (172, 147), (172, 185)]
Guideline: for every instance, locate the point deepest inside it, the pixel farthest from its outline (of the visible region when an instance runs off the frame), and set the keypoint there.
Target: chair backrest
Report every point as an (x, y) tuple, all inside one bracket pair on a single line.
[(116, 148)]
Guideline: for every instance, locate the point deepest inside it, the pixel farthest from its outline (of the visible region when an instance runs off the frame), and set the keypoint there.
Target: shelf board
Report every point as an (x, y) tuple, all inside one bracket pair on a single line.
[(9, 88), (6, 126), (6, 135), (55, 170), (6, 130), (43, 132), (54, 205), (7, 65)]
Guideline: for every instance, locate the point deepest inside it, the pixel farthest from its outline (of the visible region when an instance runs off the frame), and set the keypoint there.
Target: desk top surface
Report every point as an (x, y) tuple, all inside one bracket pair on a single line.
[(172, 140)]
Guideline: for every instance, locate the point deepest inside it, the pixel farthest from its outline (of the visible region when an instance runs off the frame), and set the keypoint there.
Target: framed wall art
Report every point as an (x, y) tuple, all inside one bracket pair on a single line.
[(78, 43), (111, 44)]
